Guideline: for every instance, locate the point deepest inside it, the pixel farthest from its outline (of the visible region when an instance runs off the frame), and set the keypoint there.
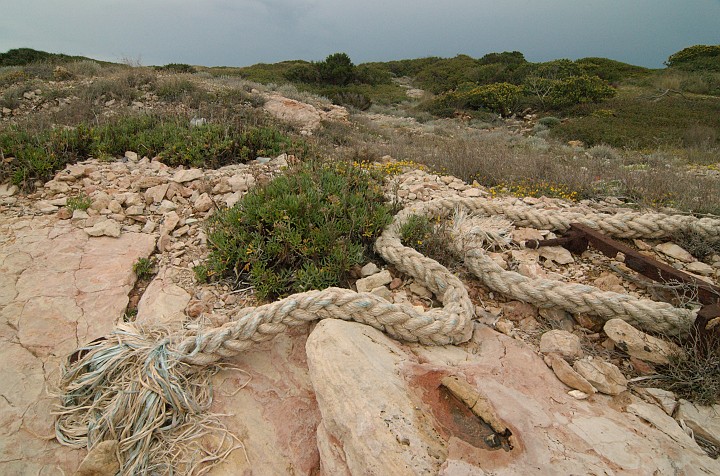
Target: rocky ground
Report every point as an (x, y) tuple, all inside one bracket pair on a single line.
[(533, 392)]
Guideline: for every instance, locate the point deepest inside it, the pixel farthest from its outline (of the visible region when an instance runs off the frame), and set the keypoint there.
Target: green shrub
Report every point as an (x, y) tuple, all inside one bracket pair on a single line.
[(371, 74), (549, 121), (351, 99), (499, 97), (696, 58), (429, 236), (447, 74), (78, 202), (175, 89), (611, 70), (303, 73), (23, 56), (26, 56), (304, 230), (506, 57), (581, 89), (563, 90), (177, 68), (337, 69), (36, 156), (143, 268)]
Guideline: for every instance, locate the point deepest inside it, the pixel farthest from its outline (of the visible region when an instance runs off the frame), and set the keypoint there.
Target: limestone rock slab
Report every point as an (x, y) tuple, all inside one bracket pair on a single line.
[(267, 400), (365, 285), (674, 251), (703, 420), (63, 289), (604, 376), (382, 432), (561, 342), (638, 344), (163, 302)]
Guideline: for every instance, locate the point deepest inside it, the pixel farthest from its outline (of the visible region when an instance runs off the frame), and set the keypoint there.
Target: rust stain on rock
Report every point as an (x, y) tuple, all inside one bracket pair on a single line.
[(453, 418)]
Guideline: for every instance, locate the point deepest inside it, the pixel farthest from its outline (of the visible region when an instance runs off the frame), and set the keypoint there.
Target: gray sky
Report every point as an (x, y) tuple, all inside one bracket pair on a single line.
[(244, 32)]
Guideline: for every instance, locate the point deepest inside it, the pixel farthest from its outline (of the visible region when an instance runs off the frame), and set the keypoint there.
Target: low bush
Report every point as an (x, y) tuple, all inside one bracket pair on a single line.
[(696, 244), (304, 230), (602, 151), (429, 236), (10, 75), (175, 88), (78, 202), (177, 68), (143, 268), (696, 58), (694, 376), (12, 96), (86, 68), (549, 121), (501, 98), (639, 122), (567, 91), (351, 99), (37, 155), (611, 70), (105, 89)]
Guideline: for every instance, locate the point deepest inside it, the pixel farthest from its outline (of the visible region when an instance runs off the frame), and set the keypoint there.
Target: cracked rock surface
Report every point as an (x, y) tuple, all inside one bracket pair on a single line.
[(59, 289)]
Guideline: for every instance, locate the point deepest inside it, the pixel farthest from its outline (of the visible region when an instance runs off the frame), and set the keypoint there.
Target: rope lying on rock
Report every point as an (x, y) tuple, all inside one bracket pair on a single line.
[(148, 389), (576, 298)]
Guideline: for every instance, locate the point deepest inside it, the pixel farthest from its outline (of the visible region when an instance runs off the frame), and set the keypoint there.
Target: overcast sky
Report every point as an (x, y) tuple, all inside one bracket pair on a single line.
[(244, 32)]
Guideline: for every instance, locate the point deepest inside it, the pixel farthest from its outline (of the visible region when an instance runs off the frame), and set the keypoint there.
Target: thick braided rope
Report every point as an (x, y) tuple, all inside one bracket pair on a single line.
[(647, 314), (621, 225), (450, 325)]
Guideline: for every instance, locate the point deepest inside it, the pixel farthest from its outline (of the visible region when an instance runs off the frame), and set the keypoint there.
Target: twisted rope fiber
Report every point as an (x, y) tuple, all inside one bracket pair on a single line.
[(646, 314), (149, 389)]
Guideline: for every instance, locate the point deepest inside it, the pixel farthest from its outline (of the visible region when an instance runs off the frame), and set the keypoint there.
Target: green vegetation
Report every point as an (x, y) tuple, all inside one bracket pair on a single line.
[(36, 156), (304, 230), (429, 236), (177, 68), (174, 88), (611, 70), (336, 78), (78, 202), (143, 268), (25, 56), (498, 97), (505, 83), (642, 122), (696, 58)]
